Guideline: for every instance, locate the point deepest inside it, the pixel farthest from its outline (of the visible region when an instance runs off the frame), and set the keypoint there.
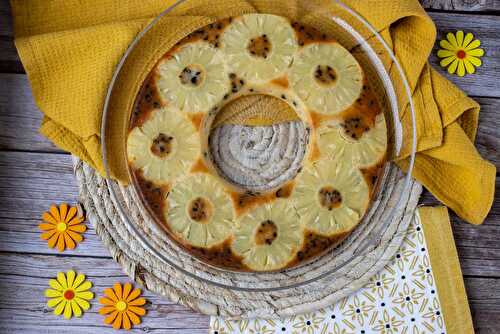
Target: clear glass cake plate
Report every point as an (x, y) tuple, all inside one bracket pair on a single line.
[(392, 189)]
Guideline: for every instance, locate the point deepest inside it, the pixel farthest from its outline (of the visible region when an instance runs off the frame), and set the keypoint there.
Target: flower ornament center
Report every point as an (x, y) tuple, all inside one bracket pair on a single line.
[(325, 75), (200, 210), (260, 46), (192, 75), (61, 227), (266, 233), (162, 145), (121, 306), (329, 198), (69, 294), (461, 54)]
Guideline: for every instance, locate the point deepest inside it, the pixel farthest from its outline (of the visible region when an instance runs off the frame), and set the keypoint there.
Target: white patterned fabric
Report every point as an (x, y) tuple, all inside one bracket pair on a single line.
[(402, 298)]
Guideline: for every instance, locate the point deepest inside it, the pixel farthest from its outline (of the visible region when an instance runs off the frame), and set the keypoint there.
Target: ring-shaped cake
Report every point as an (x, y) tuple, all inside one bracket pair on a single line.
[(257, 143)]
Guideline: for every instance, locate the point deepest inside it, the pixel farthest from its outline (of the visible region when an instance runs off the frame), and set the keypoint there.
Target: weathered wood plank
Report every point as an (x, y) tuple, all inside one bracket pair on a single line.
[(477, 245), (17, 107), (19, 117), (462, 5), (485, 28), (8, 49), (30, 182), (488, 134), (449, 5), (5, 19), (23, 279), (9, 59), (484, 302)]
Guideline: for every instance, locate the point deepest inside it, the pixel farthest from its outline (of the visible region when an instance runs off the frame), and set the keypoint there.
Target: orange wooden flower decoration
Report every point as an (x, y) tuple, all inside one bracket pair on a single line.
[(62, 227), (122, 306)]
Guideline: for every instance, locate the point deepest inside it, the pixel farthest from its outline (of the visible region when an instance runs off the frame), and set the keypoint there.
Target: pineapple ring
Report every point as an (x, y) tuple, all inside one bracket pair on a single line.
[(199, 211), (253, 151), (331, 197), (268, 237), (327, 77), (259, 56), (361, 152), (194, 78), (164, 147), (259, 47)]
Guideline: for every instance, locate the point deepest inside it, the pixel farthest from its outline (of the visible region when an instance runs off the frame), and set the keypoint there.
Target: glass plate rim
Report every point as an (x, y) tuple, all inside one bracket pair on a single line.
[(144, 242)]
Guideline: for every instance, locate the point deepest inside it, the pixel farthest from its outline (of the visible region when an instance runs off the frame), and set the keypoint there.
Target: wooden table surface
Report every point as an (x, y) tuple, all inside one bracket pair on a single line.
[(34, 174)]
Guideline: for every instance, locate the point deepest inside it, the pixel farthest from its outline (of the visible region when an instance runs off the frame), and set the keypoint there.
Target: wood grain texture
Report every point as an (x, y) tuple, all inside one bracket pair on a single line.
[(5, 19), (23, 279), (484, 302), (9, 59), (29, 184), (31, 180), (477, 245), (485, 28), (17, 107), (462, 5)]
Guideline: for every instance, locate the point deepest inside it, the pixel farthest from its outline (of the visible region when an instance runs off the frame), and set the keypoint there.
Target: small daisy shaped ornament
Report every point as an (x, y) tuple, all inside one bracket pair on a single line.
[(62, 227), (69, 294), (122, 306), (460, 53)]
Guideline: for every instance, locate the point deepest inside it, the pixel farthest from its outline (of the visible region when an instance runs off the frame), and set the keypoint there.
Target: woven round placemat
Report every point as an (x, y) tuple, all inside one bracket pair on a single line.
[(146, 269)]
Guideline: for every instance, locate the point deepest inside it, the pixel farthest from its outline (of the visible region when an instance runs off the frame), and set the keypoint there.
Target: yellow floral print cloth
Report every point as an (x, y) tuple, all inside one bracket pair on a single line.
[(70, 49), (419, 291)]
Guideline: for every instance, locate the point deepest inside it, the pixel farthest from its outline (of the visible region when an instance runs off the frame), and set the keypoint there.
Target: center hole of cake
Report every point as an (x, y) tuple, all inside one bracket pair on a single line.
[(192, 75), (325, 75), (200, 210), (266, 233), (329, 198), (260, 46), (257, 142), (162, 145)]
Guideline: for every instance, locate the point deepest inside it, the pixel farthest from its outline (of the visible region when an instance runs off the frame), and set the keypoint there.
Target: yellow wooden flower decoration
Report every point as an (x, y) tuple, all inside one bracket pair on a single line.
[(62, 227), (123, 306), (460, 53), (69, 294)]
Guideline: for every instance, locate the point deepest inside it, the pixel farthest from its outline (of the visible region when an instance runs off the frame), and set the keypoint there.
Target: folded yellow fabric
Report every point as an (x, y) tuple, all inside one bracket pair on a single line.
[(70, 50)]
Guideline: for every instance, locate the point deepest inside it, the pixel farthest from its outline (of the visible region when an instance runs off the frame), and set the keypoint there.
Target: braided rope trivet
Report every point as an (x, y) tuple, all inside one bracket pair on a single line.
[(146, 269)]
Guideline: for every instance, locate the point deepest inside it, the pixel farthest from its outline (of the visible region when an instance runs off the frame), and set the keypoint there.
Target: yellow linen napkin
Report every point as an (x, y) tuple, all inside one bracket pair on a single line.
[(70, 50)]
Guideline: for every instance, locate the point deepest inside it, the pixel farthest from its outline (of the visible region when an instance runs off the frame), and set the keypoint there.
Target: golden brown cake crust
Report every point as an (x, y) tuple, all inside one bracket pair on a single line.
[(355, 121)]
